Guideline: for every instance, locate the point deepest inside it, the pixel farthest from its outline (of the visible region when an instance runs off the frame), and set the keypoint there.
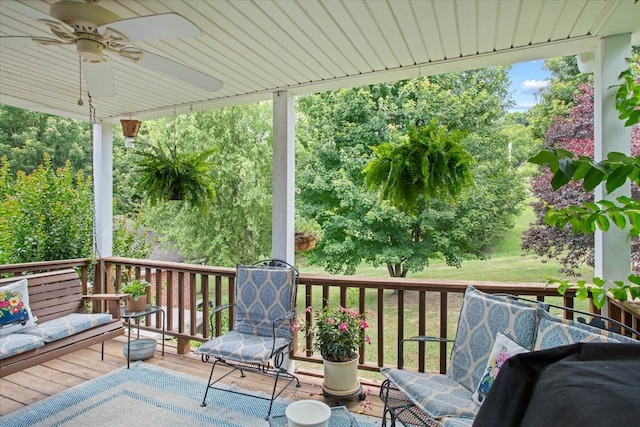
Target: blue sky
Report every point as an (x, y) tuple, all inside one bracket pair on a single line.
[(526, 79)]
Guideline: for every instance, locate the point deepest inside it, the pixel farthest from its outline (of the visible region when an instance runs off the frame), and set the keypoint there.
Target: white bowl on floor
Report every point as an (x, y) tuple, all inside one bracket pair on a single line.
[(308, 413)]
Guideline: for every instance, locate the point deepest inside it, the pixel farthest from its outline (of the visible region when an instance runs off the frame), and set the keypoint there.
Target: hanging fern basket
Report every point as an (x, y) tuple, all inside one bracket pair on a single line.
[(304, 242)]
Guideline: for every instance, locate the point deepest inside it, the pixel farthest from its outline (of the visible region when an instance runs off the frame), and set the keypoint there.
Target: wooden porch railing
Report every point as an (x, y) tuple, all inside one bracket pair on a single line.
[(402, 307)]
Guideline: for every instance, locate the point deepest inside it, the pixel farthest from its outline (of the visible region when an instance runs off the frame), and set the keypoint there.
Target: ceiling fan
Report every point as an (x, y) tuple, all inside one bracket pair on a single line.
[(99, 34)]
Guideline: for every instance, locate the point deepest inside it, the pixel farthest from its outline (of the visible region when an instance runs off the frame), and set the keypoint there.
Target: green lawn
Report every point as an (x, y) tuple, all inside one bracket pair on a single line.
[(507, 263)]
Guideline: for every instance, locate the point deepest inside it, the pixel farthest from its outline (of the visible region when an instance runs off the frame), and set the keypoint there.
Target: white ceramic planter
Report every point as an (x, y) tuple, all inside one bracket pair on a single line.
[(308, 413), (341, 378)]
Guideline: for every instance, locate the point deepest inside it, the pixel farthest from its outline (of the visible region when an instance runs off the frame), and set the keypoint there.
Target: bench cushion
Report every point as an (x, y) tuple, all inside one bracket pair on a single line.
[(435, 394), (555, 332), (13, 344), (68, 325), (482, 316)]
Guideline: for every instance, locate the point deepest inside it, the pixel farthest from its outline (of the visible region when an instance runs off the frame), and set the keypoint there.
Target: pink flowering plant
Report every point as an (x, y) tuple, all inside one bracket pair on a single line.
[(337, 334)]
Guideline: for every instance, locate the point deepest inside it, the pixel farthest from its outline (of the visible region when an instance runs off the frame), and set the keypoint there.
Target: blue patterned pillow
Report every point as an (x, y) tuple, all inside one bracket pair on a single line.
[(482, 316), (555, 332)]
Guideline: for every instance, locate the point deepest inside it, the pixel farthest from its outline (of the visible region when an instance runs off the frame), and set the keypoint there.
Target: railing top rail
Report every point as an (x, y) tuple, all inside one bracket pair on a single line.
[(439, 285), (175, 266)]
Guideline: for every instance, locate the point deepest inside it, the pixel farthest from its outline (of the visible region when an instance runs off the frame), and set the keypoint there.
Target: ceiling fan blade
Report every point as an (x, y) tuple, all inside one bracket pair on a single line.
[(154, 27), (99, 79), (181, 72)]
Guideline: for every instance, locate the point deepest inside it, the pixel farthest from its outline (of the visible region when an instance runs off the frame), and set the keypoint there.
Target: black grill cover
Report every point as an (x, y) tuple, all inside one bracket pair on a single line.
[(584, 385)]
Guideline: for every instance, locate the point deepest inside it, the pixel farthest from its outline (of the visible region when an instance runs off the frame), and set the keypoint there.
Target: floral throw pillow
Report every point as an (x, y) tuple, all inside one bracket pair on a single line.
[(15, 313), (503, 349)]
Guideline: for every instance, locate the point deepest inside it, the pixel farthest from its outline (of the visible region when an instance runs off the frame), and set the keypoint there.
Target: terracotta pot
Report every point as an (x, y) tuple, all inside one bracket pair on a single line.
[(341, 378), (133, 305)]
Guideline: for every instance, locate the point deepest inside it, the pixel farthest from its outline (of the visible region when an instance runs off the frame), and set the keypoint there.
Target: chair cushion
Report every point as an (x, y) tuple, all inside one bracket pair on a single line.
[(555, 332), (15, 313), (13, 344), (68, 325), (264, 294), (241, 347), (482, 316), (435, 394)]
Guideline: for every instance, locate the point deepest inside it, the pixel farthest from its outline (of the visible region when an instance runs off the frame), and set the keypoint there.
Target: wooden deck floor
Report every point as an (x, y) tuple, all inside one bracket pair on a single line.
[(36, 383)]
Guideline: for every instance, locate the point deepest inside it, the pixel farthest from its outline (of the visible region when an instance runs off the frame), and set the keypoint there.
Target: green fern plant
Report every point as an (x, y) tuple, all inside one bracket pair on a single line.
[(168, 174), (427, 160)]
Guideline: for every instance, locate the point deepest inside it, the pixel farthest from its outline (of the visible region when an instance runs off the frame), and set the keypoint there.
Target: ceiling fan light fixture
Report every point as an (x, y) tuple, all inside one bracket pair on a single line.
[(130, 129)]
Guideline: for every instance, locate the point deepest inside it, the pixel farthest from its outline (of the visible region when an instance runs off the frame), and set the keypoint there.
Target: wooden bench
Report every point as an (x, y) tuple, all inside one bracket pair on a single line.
[(56, 294)]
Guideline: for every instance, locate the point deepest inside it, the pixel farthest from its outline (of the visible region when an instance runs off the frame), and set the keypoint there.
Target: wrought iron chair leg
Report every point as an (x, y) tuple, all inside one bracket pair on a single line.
[(273, 393), (204, 400)]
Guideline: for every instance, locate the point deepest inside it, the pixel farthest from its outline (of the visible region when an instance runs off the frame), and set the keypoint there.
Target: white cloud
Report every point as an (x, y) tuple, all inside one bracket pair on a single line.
[(532, 86)]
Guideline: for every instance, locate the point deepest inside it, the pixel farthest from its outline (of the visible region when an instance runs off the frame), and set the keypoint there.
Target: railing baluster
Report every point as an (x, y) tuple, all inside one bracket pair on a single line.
[(444, 326), (422, 330), (380, 319), (400, 318), (204, 288)]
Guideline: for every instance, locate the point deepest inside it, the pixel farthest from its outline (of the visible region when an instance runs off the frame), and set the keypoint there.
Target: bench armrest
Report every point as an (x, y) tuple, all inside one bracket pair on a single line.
[(113, 303)]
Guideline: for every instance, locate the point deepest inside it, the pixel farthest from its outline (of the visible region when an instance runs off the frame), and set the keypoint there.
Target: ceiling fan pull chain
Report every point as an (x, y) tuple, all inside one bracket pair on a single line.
[(80, 102)]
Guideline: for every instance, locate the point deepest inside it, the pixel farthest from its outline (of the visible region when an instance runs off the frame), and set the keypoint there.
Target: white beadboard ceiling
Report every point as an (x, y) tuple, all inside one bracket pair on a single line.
[(257, 47)]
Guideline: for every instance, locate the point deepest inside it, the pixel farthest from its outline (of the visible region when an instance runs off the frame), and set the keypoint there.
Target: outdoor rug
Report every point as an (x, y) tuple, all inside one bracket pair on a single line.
[(148, 395)]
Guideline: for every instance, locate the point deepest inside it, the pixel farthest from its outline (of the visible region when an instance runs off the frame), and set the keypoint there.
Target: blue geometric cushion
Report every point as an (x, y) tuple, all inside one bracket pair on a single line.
[(264, 294), (435, 394), (555, 332), (242, 347), (13, 344), (482, 316), (68, 325)]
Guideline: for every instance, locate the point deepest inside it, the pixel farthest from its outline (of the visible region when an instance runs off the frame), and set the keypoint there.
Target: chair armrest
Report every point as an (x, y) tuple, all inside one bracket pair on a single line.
[(418, 338), (113, 303), (218, 309)]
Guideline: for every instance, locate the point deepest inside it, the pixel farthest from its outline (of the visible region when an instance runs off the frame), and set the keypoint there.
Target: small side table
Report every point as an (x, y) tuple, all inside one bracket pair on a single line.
[(128, 315), (340, 417)]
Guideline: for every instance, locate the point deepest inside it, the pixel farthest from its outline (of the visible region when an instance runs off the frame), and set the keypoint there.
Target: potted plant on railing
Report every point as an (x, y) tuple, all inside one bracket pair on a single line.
[(337, 335), (137, 291)]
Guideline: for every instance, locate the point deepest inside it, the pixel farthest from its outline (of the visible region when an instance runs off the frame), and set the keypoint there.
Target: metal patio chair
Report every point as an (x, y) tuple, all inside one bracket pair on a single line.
[(261, 336)]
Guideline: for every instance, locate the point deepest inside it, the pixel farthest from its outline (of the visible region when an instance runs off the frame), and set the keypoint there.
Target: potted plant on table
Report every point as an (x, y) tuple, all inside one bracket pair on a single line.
[(338, 335), (137, 290)]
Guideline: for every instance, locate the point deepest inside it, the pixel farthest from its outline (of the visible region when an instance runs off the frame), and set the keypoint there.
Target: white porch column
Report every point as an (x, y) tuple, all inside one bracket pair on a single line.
[(103, 187), (612, 248), (283, 204)]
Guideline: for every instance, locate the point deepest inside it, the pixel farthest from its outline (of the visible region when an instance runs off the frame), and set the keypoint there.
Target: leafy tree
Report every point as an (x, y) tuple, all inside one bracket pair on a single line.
[(557, 99), (236, 227), (613, 172), (46, 215), (336, 133), (25, 136)]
